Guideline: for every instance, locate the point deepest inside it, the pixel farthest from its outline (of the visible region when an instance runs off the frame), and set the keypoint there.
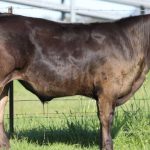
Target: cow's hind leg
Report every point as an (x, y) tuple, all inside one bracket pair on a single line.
[(106, 112), (4, 142)]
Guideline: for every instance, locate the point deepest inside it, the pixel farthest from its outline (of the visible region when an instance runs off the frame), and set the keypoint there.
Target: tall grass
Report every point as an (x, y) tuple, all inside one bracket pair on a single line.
[(130, 131)]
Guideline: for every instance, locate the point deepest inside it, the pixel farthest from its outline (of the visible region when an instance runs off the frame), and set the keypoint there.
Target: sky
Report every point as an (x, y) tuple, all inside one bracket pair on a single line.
[(115, 10)]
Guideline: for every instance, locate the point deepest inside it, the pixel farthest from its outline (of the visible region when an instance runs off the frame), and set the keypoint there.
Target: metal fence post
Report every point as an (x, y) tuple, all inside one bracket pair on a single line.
[(10, 10), (11, 109), (142, 8), (62, 13), (11, 98), (73, 13)]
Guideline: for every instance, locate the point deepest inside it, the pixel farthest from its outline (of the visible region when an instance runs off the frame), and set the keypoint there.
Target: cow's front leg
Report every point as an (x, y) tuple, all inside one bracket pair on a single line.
[(4, 142), (106, 112)]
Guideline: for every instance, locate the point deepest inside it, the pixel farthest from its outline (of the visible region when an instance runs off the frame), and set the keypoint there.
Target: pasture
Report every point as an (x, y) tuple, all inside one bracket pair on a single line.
[(72, 123)]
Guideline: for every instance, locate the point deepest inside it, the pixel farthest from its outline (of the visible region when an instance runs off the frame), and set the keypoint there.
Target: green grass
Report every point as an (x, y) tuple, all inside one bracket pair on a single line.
[(71, 123)]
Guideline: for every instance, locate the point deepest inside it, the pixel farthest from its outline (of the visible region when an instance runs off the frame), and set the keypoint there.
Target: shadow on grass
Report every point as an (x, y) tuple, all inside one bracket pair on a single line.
[(75, 134), (83, 132), (76, 131)]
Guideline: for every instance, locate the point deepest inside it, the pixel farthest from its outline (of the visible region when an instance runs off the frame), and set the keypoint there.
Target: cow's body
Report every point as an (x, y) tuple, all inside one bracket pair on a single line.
[(107, 62)]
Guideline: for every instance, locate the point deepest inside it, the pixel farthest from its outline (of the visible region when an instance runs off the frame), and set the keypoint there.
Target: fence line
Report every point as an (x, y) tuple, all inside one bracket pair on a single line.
[(143, 99), (71, 113), (68, 114), (85, 9), (92, 13)]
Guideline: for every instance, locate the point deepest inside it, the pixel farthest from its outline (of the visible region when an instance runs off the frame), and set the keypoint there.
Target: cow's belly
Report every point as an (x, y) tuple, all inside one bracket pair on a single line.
[(58, 82), (44, 88)]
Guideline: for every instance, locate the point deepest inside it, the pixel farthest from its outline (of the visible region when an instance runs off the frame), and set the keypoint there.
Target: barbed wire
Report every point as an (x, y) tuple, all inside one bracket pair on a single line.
[(51, 115), (46, 117), (56, 113), (37, 100), (61, 115)]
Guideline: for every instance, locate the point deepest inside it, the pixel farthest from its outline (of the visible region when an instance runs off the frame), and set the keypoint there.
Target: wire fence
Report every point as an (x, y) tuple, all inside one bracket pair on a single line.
[(70, 114)]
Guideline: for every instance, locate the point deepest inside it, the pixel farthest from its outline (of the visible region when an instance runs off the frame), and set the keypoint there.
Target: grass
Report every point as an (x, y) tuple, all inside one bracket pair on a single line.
[(71, 123)]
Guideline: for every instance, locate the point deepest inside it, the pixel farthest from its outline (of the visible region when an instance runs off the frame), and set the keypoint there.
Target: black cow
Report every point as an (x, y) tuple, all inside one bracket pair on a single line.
[(105, 61)]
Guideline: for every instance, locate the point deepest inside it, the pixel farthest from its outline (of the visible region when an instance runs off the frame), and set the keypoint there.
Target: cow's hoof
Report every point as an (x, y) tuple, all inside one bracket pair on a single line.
[(107, 148)]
